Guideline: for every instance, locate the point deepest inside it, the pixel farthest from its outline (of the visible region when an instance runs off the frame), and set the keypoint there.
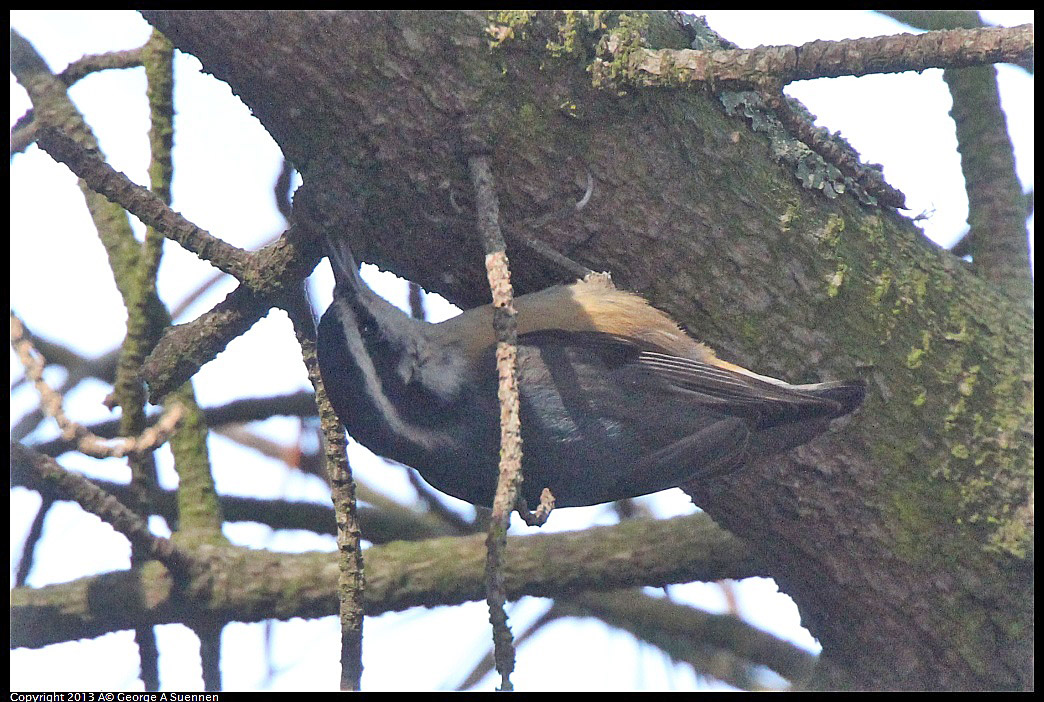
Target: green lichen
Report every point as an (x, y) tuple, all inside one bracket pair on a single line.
[(617, 68), (789, 216), (917, 286), (508, 25), (920, 396), (915, 358), (917, 508), (836, 280), (831, 233), (882, 284), (575, 30), (957, 323), (1014, 534), (956, 412), (967, 384), (872, 228)]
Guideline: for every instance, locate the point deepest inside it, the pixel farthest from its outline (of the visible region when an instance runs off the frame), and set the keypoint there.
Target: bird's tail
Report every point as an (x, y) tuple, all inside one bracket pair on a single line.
[(848, 394)]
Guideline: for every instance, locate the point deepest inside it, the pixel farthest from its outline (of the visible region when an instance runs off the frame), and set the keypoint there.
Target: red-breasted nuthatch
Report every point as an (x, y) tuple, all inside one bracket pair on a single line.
[(616, 400)]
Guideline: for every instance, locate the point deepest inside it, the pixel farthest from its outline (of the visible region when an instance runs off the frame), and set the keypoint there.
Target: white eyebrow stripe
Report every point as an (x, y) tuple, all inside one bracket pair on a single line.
[(375, 388)]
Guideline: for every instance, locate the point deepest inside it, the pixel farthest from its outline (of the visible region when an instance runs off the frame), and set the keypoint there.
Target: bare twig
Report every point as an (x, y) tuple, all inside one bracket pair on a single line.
[(295, 404), (98, 502), (28, 555), (87, 442), (24, 131), (834, 152), (351, 582), (510, 423), (542, 512), (142, 203), (515, 231), (954, 48), (769, 68)]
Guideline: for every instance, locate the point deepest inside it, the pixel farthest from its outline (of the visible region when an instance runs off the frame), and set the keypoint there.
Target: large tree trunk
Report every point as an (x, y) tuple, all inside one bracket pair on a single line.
[(905, 534)]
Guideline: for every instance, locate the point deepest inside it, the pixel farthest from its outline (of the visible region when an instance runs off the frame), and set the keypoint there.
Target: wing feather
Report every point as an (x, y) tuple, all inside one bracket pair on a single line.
[(701, 382)]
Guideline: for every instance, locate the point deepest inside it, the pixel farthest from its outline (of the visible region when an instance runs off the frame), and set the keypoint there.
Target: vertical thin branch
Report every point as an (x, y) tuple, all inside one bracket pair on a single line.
[(140, 299), (210, 654), (142, 327), (997, 237), (351, 582), (504, 323), (198, 506), (28, 555)]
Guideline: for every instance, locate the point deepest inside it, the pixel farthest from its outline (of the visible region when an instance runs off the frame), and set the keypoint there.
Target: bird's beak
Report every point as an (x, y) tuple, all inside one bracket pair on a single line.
[(345, 269)]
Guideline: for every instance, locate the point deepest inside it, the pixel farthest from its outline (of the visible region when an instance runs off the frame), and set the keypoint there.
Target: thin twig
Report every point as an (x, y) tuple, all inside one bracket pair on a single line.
[(142, 203), (487, 662), (515, 231), (93, 499), (832, 151), (954, 48), (28, 556), (52, 405), (351, 582), (543, 510), (295, 404), (23, 133), (510, 423), (769, 68)]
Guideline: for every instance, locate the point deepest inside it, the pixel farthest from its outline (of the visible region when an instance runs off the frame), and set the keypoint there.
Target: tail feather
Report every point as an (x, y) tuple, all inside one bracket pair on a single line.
[(849, 394)]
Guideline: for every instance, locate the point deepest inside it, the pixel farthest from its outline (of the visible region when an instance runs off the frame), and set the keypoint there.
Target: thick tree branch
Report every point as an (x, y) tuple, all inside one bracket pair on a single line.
[(242, 585)]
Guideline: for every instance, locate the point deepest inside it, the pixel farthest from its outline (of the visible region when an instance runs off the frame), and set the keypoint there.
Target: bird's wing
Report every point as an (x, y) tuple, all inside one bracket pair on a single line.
[(725, 391)]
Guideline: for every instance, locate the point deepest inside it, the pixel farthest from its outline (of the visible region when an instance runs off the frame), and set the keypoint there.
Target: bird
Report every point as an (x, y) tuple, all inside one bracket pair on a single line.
[(616, 399)]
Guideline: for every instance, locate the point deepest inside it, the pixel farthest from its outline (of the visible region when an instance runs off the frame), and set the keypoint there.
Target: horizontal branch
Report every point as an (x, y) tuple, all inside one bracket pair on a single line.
[(681, 630), (242, 585), (382, 520), (954, 48)]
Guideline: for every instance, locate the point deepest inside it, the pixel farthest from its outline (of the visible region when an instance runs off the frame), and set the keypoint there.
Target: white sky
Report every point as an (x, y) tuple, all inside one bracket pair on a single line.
[(225, 166)]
